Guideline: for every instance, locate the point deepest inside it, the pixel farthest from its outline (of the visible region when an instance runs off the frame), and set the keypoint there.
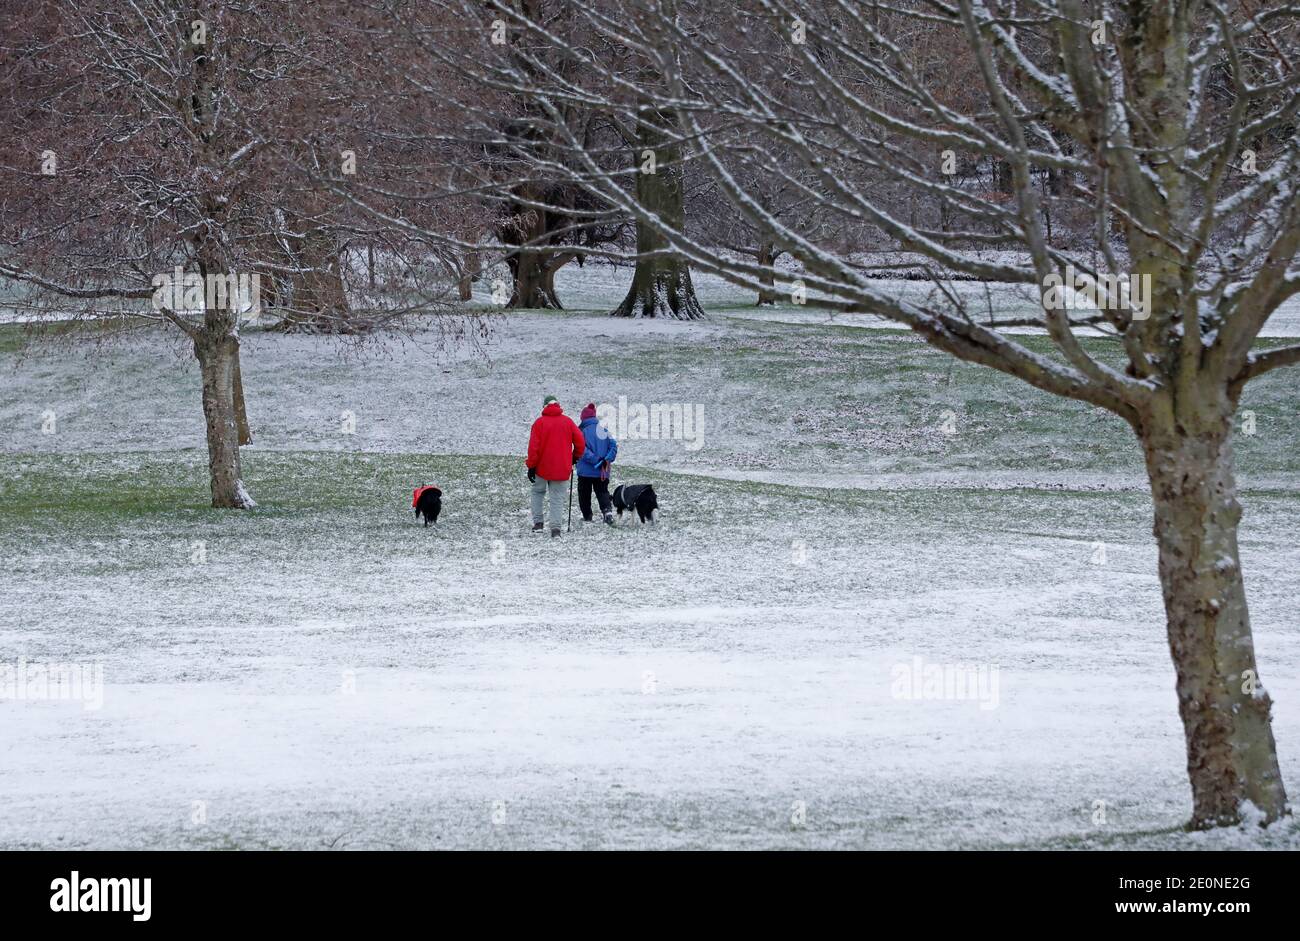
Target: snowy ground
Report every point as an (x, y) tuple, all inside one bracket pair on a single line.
[(324, 673), (589, 289)]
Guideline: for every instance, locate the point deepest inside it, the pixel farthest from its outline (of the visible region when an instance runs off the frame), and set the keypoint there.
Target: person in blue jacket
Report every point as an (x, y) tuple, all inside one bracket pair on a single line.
[(593, 466)]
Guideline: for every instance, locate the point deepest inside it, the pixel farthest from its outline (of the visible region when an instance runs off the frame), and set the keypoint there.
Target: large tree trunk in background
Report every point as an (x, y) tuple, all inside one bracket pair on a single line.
[(1003, 179), (767, 260), (661, 286), (553, 265), (218, 355), (532, 287), (317, 300), (241, 411), (470, 268), (1231, 756), (527, 229)]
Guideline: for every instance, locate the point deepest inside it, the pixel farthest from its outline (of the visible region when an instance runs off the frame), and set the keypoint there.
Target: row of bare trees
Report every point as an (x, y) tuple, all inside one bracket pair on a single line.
[(157, 136)]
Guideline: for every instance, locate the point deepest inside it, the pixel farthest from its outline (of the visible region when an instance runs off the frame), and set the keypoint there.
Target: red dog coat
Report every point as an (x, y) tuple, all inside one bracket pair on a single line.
[(415, 500)]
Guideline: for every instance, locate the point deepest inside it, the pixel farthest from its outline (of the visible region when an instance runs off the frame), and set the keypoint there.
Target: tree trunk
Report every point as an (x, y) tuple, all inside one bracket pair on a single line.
[(1003, 179), (527, 228), (218, 355), (272, 288), (1231, 756), (532, 286), (469, 274), (241, 412), (767, 260), (311, 296), (661, 285), (318, 303), (216, 342), (548, 281)]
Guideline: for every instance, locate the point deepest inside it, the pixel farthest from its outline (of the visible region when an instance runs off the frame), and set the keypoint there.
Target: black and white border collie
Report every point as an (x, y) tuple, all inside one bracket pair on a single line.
[(639, 497)]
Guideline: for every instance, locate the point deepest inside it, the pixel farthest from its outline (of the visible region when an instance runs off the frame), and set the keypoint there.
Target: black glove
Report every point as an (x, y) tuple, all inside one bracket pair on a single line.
[(532, 475), (575, 460)]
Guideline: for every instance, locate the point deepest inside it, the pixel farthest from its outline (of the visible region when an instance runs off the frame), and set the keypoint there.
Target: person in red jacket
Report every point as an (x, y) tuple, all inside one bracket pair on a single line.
[(554, 446)]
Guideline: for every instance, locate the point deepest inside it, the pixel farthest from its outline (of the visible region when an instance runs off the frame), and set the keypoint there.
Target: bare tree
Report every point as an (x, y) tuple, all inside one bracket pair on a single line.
[(438, 170), (661, 283), (500, 53), (1138, 115), (164, 136), (138, 164)]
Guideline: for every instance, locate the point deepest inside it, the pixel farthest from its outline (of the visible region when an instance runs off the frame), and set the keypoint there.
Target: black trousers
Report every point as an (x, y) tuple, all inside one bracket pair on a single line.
[(585, 486)]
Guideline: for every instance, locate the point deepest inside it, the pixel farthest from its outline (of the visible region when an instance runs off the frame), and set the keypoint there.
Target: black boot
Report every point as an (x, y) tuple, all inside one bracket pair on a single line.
[(538, 527), (554, 533)]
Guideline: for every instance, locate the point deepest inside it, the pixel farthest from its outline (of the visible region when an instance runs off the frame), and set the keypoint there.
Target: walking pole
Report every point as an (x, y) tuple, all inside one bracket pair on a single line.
[(570, 500)]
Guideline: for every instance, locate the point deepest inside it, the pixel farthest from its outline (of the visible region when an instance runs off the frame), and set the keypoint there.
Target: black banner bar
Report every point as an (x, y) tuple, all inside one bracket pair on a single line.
[(368, 889)]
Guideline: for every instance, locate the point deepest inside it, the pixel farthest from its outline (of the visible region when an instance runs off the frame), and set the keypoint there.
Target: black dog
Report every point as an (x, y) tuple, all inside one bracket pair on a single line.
[(639, 497), (427, 500)]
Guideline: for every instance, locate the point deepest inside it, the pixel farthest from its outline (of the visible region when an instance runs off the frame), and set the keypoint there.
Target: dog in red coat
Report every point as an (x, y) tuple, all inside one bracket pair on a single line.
[(427, 501)]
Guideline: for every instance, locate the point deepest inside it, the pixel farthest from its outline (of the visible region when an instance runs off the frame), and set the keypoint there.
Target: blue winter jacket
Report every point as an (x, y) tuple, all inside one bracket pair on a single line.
[(601, 446)]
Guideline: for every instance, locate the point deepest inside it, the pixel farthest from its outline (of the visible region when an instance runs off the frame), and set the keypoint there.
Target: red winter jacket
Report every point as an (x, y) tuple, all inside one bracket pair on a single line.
[(554, 443)]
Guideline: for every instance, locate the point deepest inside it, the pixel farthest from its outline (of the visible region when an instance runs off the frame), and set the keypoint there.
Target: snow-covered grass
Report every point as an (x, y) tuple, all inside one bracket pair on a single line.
[(324, 672), (781, 402), (598, 287)]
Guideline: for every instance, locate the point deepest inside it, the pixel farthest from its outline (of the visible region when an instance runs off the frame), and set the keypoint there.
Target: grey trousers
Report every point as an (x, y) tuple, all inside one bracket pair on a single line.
[(554, 491)]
